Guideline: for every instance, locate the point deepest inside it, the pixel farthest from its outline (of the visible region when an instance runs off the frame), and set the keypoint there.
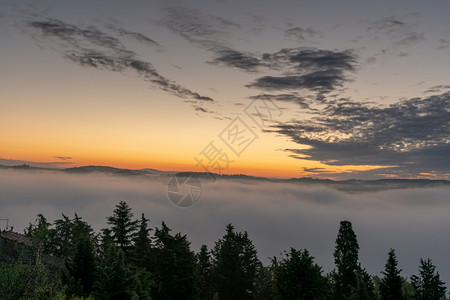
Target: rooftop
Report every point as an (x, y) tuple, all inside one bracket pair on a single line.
[(16, 237)]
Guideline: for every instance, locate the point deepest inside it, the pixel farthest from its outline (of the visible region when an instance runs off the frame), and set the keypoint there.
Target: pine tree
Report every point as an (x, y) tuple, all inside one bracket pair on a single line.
[(123, 228), (298, 277), (115, 279), (235, 265), (346, 261), (364, 289), (428, 285), (265, 282), (82, 268), (204, 289), (142, 245), (173, 266), (41, 236), (392, 283)]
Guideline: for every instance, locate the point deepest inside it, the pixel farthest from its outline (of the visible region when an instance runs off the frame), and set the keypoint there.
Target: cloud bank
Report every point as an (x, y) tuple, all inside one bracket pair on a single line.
[(411, 135), (276, 215)]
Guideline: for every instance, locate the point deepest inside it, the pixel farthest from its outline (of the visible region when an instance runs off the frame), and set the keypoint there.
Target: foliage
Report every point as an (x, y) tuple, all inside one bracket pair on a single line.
[(298, 277), (428, 285), (19, 280), (346, 261), (391, 286), (115, 279), (235, 265), (129, 260), (123, 227), (173, 265), (204, 283)]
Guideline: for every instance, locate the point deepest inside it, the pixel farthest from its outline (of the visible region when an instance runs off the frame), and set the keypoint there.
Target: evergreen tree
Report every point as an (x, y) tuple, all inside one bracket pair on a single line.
[(298, 277), (364, 289), (391, 285), (428, 285), (142, 245), (265, 282), (106, 242), (82, 268), (115, 279), (235, 265), (204, 289), (173, 266), (346, 261), (19, 280), (41, 236), (123, 228)]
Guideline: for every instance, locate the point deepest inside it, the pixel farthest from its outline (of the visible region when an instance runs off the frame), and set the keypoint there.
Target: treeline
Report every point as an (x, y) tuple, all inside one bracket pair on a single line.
[(129, 260)]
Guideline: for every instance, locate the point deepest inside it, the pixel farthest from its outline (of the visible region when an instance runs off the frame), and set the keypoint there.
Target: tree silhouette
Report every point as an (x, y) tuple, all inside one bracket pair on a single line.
[(298, 277), (428, 285), (235, 265), (142, 244), (123, 228), (346, 261), (173, 265), (115, 279), (391, 286), (204, 284)]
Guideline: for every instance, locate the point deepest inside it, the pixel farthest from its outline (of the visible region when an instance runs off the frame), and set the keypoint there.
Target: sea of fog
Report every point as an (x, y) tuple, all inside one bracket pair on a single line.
[(277, 216)]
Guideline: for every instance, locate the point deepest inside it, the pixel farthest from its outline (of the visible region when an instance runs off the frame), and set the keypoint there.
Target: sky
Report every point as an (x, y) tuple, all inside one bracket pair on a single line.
[(328, 89)]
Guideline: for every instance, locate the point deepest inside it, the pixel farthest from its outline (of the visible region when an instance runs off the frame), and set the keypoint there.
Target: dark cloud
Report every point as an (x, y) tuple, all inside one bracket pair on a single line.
[(313, 59), (300, 33), (233, 58), (202, 109), (443, 43), (72, 33), (320, 81), (410, 38), (438, 88), (310, 59), (302, 68), (315, 170), (196, 26), (63, 157), (294, 98), (135, 35), (310, 69), (399, 33), (112, 54), (208, 31), (412, 135), (387, 25)]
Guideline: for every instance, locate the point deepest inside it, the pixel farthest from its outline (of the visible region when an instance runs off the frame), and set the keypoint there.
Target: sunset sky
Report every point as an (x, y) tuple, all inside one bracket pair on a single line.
[(328, 89)]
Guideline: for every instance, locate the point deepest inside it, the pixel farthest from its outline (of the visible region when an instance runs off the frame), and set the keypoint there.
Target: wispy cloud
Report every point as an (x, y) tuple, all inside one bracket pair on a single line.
[(300, 33), (398, 32), (63, 157), (314, 70), (134, 35), (91, 47), (320, 81), (232, 58), (303, 102), (438, 88)]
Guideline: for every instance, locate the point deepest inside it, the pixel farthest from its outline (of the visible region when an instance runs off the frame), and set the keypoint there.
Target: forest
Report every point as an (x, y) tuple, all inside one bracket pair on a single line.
[(68, 259)]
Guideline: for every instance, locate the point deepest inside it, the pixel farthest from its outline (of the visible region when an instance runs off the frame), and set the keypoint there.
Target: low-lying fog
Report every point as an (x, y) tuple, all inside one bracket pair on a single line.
[(414, 221)]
